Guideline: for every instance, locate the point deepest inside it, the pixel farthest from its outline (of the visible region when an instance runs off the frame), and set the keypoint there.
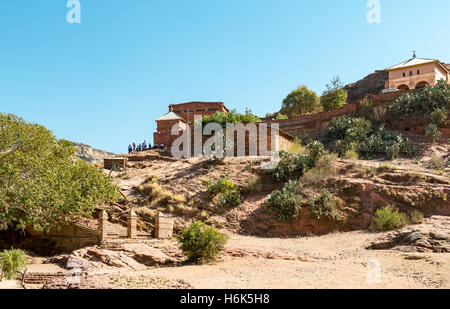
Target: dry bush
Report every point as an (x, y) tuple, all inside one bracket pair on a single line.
[(179, 198), (436, 163), (416, 217), (152, 190), (254, 184), (351, 155), (325, 168), (152, 178), (296, 147), (146, 213)]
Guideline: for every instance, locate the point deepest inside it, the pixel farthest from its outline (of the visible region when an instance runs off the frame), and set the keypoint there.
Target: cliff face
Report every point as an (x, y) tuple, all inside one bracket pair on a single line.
[(371, 84), (90, 154)]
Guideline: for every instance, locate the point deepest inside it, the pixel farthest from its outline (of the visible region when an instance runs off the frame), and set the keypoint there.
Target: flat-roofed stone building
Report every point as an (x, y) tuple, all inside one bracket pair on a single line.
[(183, 115)]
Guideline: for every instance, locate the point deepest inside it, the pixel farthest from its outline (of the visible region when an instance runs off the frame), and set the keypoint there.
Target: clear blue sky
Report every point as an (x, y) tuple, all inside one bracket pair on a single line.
[(103, 82)]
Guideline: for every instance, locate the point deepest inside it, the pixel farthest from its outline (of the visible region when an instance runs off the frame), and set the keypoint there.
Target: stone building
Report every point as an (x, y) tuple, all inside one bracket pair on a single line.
[(182, 114), (416, 73), (187, 111)]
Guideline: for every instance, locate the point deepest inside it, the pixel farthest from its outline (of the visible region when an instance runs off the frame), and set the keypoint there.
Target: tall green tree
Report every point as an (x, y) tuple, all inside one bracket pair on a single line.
[(42, 183), (300, 102), (335, 96)]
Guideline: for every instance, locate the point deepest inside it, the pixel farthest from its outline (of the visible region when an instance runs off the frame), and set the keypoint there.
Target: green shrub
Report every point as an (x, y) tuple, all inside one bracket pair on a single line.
[(348, 128), (355, 134), (439, 116), (290, 165), (432, 132), (286, 203), (384, 144), (425, 102), (201, 244), (346, 132), (229, 192), (324, 206), (13, 262), (387, 219), (316, 150)]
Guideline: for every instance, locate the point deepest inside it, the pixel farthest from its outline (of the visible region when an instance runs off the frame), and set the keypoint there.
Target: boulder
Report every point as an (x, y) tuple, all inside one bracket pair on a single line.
[(431, 236), (147, 255)]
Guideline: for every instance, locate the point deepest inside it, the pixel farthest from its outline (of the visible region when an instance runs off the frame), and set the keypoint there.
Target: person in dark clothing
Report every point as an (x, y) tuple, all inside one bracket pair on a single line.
[(130, 149)]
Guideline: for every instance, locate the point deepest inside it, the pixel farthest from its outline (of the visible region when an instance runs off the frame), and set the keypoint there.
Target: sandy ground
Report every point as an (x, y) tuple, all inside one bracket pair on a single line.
[(336, 260)]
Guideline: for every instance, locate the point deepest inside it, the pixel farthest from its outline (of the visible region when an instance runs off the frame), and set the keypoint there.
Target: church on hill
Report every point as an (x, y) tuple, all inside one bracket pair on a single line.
[(416, 73)]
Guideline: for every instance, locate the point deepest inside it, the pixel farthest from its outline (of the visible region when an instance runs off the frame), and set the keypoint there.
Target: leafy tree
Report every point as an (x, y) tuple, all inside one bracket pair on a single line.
[(300, 102), (335, 96), (42, 183)]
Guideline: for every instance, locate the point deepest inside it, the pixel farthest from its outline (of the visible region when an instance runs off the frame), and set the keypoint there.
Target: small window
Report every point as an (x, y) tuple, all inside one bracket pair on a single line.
[(188, 110), (418, 72), (404, 74), (213, 109), (200, 110), (177, 112), (410, 73)]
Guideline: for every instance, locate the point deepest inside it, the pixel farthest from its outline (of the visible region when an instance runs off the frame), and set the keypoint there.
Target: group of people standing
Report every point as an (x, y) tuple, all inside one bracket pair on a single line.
[(139, 147)]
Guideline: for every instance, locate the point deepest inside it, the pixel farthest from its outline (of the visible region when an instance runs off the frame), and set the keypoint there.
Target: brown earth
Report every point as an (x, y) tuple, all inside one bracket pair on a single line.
[(336, 260), (360, 188)]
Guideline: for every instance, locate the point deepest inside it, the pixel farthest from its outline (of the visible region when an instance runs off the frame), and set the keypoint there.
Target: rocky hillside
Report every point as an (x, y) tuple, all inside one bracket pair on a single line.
[(371, 84), (90, 154), (154, 183)]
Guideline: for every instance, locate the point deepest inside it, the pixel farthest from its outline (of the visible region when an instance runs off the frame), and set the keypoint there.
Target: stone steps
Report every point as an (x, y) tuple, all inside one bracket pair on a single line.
[(41, 278)]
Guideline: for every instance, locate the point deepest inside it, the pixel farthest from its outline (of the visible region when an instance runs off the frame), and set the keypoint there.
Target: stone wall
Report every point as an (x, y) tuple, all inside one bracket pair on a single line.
[(163, 135), (67, 237), (312, 126)]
